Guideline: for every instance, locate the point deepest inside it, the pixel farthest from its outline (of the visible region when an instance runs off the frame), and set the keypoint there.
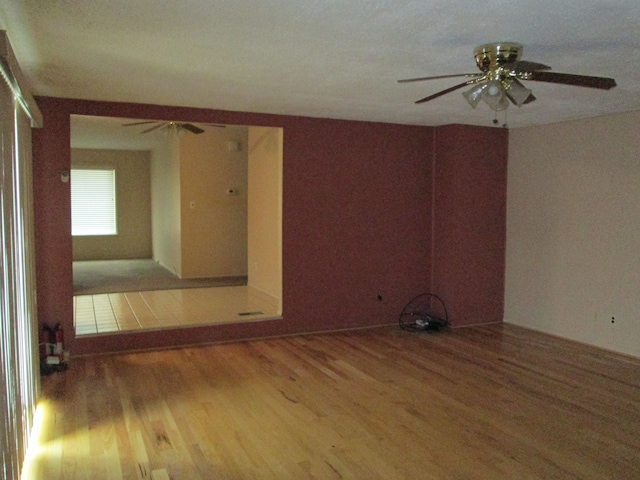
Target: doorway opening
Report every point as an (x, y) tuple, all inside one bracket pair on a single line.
[(204, 209)]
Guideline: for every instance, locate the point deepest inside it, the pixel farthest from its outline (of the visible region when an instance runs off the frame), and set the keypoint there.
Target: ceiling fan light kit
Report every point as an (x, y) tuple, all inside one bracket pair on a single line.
[(499, 83), (518, 93)]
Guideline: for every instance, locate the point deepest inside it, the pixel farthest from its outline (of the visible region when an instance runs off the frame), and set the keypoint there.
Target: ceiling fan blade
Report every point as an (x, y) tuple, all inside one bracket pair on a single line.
[(192, 128), (138, 123), (450, 89), (420, 79), (155, 127), (570, 79), (525, 66)]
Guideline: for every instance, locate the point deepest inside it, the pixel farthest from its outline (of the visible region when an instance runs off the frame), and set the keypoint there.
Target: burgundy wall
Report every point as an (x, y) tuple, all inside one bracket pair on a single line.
[(469, 222), (356, 222), (368, 208)]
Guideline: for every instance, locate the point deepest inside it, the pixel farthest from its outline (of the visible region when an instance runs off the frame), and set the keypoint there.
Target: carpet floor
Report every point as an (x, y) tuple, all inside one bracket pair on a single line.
[(140, 275)]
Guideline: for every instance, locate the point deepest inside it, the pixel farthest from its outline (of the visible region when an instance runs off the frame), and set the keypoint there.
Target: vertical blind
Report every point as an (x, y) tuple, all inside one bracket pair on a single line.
[(19, 366), (93, 202)]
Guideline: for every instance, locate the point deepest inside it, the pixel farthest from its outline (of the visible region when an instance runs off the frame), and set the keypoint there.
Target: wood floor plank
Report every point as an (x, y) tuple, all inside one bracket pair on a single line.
[(491, 402)]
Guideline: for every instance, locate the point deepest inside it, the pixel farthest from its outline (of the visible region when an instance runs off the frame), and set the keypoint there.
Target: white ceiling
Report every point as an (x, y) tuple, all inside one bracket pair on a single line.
[(109, 133), (322, 58), (112, 133)]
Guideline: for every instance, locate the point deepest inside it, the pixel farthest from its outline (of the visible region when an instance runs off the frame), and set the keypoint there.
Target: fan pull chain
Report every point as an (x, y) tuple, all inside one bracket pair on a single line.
[(496, 121)]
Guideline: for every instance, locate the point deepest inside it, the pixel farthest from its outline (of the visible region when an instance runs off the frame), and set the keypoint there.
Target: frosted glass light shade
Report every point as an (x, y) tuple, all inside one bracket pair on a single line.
[(474, 95), (518, 93), (494, 96)]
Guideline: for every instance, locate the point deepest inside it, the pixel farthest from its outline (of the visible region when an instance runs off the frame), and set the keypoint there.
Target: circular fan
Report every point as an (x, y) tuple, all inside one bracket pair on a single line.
[(499, 83), (424, 313), (177, 126)]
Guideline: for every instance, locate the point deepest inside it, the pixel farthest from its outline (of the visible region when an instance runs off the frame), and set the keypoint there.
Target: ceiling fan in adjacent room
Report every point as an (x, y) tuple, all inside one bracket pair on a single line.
[(499, 83), (176, 126)]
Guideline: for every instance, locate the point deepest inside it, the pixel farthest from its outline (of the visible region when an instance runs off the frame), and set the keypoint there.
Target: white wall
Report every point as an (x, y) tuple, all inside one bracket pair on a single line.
[(213, 222), (165, 205), (265, 211), (573, 231)]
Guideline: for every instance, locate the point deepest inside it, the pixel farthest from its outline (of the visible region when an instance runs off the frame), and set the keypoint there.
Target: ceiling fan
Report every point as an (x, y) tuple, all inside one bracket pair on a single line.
[(499, 83), (177, 126)]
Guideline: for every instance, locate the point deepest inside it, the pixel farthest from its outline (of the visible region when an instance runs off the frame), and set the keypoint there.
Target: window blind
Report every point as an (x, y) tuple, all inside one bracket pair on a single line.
[(19, 368), (93, 202)]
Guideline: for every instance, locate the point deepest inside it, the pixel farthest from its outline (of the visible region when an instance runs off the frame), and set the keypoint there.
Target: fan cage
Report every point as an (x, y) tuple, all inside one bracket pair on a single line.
[(424, 312)]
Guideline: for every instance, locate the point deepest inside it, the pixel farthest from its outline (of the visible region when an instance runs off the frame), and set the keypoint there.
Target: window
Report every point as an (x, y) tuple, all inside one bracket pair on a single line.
[(93, 201), (19, 365)]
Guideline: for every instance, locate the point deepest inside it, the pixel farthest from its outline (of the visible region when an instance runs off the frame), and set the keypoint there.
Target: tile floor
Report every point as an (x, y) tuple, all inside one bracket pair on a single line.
[(119, 312)]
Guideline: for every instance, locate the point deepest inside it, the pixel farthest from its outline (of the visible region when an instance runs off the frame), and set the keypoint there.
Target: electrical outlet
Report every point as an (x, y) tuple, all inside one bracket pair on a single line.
[(608, 318)]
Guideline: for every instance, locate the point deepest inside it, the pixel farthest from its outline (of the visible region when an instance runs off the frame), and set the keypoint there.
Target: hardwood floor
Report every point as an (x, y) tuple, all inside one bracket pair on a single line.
[(490, 402)]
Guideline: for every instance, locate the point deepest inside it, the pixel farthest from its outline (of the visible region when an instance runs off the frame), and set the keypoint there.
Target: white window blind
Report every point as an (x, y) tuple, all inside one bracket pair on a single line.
[(19, 366), (93, 202)]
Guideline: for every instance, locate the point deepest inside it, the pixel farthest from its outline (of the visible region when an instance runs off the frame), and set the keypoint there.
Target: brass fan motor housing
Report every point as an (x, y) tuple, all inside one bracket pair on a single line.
[(502, 71), (493, 56)]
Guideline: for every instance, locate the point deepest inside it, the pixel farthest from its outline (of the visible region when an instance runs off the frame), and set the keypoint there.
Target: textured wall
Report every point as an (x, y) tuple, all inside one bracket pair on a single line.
[(264, 236), (213, 224), (356, 222), (573, 227), (470, 171), (165, 205)]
